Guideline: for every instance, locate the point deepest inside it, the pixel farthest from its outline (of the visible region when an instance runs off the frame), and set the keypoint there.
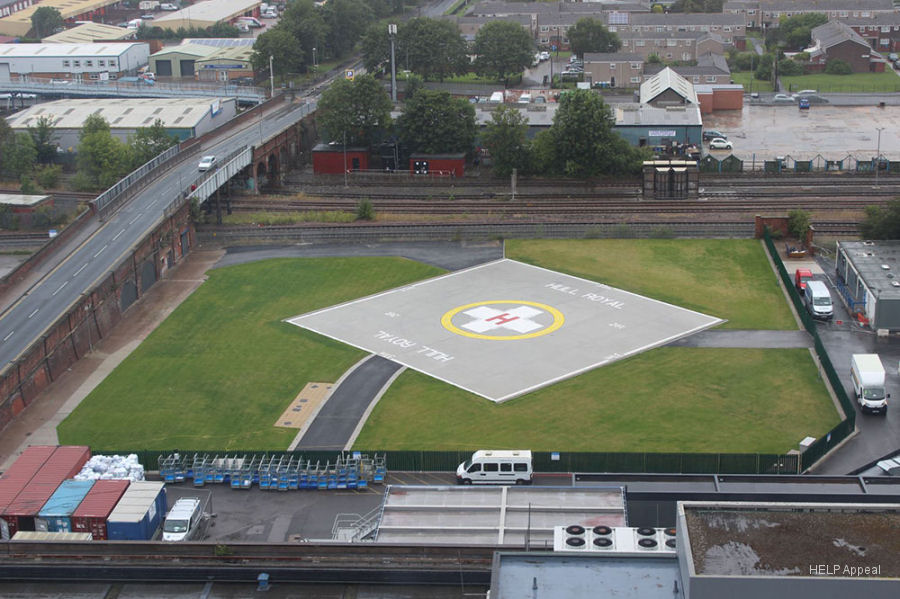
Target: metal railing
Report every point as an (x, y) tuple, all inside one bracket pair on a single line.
[(108, 201)]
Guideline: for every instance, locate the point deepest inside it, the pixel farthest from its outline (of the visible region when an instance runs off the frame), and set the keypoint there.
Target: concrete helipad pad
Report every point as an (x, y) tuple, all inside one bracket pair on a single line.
[(505, 328)]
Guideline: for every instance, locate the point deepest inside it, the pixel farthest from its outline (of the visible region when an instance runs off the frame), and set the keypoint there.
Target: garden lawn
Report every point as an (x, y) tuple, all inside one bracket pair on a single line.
[(727, 278), (887, 81), (667, 400), (221, 369), (750, 84)]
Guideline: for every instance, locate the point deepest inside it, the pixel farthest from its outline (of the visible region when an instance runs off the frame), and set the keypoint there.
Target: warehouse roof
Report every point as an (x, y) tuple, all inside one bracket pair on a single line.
[(220, 42), (644, 115), (197, 50), (878, 263), (63, 50), (242, 53), (19, 23), (119, 113), (664, 80), (205, 14), (88, 33)]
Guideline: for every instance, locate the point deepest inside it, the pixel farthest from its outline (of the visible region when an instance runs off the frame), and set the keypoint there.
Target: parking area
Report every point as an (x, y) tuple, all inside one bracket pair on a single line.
[(830, 130)]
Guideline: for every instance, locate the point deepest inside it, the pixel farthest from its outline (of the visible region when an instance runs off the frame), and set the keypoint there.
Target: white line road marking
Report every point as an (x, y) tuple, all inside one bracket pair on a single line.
[(33, 313), (60, 287), (100, 252), (8, 336), (134, 220), (83, 266), (117, 234)]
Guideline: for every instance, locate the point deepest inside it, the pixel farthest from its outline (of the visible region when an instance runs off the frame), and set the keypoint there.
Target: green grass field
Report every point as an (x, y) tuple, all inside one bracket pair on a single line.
[(750, 84), (665, 400), (727, 278), (223, 366), (887, 81)]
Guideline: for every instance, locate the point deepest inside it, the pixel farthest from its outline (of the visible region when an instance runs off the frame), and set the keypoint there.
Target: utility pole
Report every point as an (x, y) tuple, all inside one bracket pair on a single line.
[(392, 33), (878, 154), (271, 78)]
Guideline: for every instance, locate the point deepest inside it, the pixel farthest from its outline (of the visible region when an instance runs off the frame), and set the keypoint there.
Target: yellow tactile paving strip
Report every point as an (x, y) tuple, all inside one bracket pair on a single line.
[(304, 405)]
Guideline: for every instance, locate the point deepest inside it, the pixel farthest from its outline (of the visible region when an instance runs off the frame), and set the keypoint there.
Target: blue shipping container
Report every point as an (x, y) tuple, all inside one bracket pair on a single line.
[(139, 512), (56, 515)]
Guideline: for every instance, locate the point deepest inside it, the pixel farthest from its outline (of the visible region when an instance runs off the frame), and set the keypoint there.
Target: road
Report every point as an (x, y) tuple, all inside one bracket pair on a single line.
[(26, 320)]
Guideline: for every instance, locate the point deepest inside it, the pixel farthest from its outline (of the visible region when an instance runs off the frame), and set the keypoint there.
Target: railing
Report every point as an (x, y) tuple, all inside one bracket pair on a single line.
[(108, 201)]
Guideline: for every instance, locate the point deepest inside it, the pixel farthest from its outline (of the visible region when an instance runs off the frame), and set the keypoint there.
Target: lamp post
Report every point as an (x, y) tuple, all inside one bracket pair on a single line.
[(315, 64), (392, 33), (345, 159), (878, 154), (271, 77)]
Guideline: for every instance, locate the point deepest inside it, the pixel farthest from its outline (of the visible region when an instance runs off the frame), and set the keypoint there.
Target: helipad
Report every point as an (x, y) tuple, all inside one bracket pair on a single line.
[(505, 328)]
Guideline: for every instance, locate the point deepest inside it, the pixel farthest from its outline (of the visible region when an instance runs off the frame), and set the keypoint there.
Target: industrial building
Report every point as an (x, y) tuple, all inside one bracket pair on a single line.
[(182, 117), (76, 62), (180, 61), (206, 14), (646, 125), (868, 280), (225, 64), (8, 7), (89, 33), (19, 22)]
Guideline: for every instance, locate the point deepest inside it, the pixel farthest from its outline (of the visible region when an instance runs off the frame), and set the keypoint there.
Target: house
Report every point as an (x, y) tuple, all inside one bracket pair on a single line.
[(767, 13), (880, 30), (614, 69), (671, 45), (469, 26), (836, 41), (710, 69), (667, 88), (731, 28)]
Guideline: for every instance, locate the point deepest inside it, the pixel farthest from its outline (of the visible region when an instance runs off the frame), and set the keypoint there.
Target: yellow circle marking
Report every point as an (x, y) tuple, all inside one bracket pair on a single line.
[(558, 320)]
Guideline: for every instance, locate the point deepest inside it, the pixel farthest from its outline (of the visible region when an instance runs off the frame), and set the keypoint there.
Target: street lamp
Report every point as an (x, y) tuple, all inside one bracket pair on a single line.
[(392, 33), (271, 78), (315, 64), (878, 154)]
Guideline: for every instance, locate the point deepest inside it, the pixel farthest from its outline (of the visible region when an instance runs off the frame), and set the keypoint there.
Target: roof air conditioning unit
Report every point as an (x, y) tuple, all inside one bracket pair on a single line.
[(575, 538), (603, 539), (646, 539), (668, 536)]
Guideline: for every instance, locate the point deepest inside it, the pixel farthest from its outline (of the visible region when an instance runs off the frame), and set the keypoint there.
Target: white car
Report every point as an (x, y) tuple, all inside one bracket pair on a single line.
[(168, 6), (720, 144), (544, 56), (206, 163)]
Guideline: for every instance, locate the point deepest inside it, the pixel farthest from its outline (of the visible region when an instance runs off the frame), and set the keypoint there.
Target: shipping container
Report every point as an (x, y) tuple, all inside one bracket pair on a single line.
[(96, 507), (65, 462), (18, 475), (138, 514), (42, 537), (56, 515)]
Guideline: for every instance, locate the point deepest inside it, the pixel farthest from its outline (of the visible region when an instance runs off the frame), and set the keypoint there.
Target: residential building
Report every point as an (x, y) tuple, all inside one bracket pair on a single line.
[(766, 13), (730, 27), (469, 26), (880, 30), (835, 40), (614, 70), (711, 69), (671, 45)]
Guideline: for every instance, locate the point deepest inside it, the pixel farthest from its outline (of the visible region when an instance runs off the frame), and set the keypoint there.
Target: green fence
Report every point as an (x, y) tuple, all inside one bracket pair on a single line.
[(447, 461), (840, 432)]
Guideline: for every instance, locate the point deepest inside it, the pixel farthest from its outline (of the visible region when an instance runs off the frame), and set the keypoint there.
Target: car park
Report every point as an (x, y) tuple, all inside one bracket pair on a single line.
[(710, 134), (720, 144), (207, 163), (783, 99)]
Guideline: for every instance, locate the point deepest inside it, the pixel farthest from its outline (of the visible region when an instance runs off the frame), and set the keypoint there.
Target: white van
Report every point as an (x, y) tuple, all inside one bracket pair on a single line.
[(492, 467), (496, 98), (183, 520), (524, 99), (818, 300)]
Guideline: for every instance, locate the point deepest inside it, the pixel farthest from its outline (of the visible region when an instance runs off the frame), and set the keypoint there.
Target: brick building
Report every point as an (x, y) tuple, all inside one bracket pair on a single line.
[(766, 13), (614, 70), (837, 41), (880, 30)]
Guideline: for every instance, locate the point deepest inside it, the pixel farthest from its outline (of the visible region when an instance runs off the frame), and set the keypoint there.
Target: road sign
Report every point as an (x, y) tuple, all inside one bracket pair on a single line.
[(348, 74)]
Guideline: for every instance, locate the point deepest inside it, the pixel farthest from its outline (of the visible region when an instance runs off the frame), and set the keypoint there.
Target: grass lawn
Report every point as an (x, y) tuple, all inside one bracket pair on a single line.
[(727, 278), (221, 369), (665, 400), (887, 81), (750, 84)]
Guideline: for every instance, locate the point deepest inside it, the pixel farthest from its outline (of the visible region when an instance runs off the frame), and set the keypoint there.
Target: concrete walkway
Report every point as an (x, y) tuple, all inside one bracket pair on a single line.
[(726, 338)]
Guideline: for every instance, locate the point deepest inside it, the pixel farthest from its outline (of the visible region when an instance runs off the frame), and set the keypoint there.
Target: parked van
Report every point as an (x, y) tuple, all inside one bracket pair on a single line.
[(525, 99), (252, 21), (867, 375), (818, 300), (135, 23), (496, 98), (183, 520), (491, 467)]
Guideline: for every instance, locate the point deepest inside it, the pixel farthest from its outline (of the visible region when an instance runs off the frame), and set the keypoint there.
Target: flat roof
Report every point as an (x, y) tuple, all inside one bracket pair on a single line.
[(870, 258), (558, 576), (14, 199), (89, 33), (647, 115), (19, 23), (783, 539), (221, 42), (120, 113), (493, 515), (239, 53), (210, 11), (64, 50)]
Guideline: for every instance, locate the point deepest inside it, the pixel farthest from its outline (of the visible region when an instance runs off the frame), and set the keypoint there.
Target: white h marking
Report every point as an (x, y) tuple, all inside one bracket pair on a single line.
[(488, 319)]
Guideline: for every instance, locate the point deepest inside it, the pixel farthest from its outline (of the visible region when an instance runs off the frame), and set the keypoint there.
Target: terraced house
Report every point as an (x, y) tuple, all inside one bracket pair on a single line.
[(766, 13), (880, 30)]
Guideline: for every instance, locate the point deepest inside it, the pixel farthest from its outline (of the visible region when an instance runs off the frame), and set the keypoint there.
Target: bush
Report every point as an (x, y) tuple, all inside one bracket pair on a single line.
[(798, 223), (48, 176), (838, 67), (789, 68), (28, 187), (81, 182), (365, 210)]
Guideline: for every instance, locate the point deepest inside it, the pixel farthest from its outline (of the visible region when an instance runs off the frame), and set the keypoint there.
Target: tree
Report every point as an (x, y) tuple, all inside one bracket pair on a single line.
[(287, 55), (882, 222), (43, 135), (505, 137), (46, 20), (794, 32), (503, 48), (346, 19), (6, 139), (798, 223), (19, 156), (657, 9), (306, 24), (591, 35), (581, 142), (434, 122), (433, 49), (376, 47), (361, 109), (836, 66), (697, 6), (149, 142), (789, 68), (102, 159)]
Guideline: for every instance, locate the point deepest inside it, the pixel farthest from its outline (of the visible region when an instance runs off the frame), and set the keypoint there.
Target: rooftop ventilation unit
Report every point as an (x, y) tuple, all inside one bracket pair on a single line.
[(619, 540), (885, 267)]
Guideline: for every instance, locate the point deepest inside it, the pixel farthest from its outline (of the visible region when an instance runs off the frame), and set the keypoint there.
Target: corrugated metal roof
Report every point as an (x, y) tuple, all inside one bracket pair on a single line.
[(647, 115), (63, 50), (136, 501), (664, 80), (89, 33), (66, 498), (101, 499), (211, 11), (119, 113), (22, 471)]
